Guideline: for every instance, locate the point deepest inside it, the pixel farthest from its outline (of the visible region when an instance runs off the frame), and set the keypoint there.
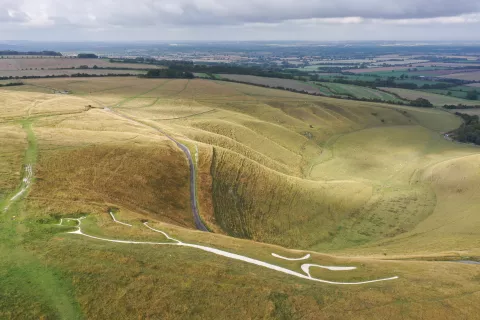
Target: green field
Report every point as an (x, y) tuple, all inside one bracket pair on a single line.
[(436, 99), (358, 92), (371, 77), (361, 185), (457, 92)]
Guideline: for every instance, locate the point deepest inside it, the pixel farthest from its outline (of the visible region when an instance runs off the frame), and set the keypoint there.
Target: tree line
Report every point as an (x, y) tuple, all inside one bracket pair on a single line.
[(30, 53), (469, 132)]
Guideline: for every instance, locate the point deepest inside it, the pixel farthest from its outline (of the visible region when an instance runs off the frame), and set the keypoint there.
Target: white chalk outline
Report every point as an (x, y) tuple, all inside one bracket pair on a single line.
[(115, 220), (291, 259), (232, 256), (306, 268)]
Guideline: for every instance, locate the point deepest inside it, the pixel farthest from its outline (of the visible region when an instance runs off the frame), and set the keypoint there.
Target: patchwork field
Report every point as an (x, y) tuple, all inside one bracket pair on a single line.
[(272, 82), (16, 64), (469, 76), (457, 92), (363, 205)]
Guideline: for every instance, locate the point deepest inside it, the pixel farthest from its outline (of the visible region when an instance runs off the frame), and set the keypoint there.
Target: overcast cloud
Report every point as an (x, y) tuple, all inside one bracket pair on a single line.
[(240, 19)]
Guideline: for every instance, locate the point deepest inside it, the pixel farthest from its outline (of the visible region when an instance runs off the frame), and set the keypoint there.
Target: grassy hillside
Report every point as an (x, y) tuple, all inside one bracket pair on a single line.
[(296, 174)]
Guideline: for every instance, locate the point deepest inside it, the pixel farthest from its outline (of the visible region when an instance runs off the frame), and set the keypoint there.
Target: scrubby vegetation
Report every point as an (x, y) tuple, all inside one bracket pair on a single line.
[(422, 103), (469, 132), (11, 84)]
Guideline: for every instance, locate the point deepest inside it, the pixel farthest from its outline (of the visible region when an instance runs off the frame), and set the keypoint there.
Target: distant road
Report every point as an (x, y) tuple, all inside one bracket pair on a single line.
[(193, 174)]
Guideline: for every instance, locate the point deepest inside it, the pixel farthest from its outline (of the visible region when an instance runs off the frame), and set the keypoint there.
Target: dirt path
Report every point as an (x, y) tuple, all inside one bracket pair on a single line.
[(174, 242), (27, 168)]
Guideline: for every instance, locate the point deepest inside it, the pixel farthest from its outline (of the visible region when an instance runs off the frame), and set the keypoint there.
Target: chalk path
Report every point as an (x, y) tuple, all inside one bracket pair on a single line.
[(234, 256), (27, 180)]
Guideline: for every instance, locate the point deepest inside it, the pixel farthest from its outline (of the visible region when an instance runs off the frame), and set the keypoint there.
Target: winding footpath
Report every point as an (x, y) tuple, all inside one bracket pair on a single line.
[(174, 242), (26, 182), (193, 173)]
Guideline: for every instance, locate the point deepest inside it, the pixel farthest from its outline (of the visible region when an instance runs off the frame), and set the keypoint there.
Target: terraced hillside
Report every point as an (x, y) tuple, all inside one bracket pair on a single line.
[(97, 206)]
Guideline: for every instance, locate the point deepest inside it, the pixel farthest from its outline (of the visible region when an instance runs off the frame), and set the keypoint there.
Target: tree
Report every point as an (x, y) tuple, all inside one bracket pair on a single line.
[(472, 95)]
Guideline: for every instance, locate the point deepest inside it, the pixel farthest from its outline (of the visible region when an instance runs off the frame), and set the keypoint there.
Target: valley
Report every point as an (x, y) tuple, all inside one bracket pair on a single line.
[(190, 198)]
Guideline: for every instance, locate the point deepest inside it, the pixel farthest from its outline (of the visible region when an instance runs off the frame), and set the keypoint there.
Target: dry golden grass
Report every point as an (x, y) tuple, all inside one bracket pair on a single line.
[(167, 109), (150, 180), (15, 104), (14, 144), (96, 157)]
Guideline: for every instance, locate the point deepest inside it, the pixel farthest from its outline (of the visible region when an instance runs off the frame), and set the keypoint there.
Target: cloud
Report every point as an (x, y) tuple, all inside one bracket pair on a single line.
[(249, 19), (229, 12), (10, 12)]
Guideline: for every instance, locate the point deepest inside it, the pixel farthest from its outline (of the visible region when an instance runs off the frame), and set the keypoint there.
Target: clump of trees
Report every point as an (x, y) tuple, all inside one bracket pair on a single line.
[(87, 56), (469, 132), (422, 103), (460, 106), (169, 73)]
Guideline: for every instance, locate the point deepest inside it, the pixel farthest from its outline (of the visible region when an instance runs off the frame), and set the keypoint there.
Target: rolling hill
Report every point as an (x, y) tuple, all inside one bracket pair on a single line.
[(373, 196)]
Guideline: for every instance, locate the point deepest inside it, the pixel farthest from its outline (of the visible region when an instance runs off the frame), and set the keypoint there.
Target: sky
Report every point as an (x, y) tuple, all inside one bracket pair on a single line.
[(237, 20)]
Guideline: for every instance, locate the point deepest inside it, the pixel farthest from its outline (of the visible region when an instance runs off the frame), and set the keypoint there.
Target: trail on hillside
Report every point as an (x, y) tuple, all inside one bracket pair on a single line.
[(27, 168), (174, 242), (29, 281), (26, 181)]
